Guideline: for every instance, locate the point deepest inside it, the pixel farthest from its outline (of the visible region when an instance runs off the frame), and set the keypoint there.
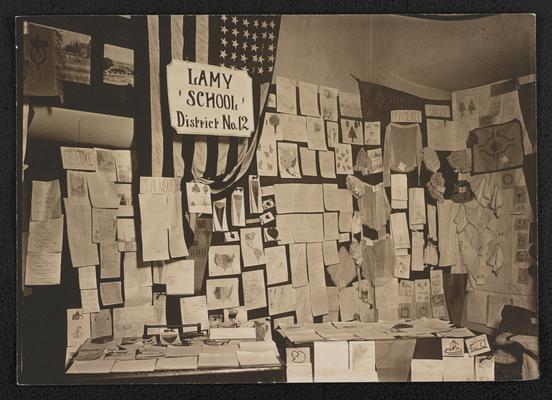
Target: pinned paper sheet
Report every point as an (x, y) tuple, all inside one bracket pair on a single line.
[(45, 200), (294, 128), (254, 294), (46, 236), (308, 161), (286, 95), (79, 232), (87, 277), (267, 158), (238, 207), (316, 134), (298, 261), (180, 277), (78, 327), (326, 161), (252, 247), (105, 165), (288, 160), (281, 299), (276, 264), (78, 158), (224, 260), (194, 311), (110, 293), (328, 102), (255, 198), (42, 269), (308, 99), (199, 198), (222, 293)]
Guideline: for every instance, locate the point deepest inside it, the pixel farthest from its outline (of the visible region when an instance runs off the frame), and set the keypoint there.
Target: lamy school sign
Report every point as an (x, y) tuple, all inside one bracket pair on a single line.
[(209, 100)]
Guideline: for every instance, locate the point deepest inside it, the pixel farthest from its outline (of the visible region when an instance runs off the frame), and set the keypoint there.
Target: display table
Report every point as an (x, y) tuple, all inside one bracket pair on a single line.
[(223, 375)]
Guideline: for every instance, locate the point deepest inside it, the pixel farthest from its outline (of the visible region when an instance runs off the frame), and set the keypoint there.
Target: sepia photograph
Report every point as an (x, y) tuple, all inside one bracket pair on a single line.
[(266, 198)]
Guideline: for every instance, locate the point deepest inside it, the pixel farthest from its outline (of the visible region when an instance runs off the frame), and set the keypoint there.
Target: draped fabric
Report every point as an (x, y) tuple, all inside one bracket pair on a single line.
[(239, 42)]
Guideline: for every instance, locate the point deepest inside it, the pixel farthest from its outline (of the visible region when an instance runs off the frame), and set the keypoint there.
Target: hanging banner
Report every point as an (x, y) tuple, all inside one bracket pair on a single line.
[(209, 100)]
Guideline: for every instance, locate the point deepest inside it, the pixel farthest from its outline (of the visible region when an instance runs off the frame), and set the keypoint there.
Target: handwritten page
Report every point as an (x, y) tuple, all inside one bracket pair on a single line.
[(254, 290), (78, 158), (326, 161), (101, 324), (180, 277), (87, 277), (194, 310), (316, 134), (134, 366), (333, 305), (42, 269), (123, 164), (252, 247), (45, 200), (319, 299), (46, 236), (328, 102), (315, 264), (276, 264), (79, 232), (281, 299), (89, 301), (416, 208), (105, 165), (298, 198), (91, 367), (302, 227), (103, 194), (308, 161), (286, 95), (222, 293), (110, 292), (308, 99), (224, 260), (484, 368), (267, 158), (78, 327)]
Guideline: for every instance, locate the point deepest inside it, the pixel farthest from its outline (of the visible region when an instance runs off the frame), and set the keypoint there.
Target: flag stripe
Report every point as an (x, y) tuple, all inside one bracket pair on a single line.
[(165, 48), (177, 48), (223, 144), (155, 104), (189, 50)]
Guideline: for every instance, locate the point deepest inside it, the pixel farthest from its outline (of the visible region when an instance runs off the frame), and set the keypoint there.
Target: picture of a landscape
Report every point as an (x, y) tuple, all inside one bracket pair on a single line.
[(75, 48), (118, 65)]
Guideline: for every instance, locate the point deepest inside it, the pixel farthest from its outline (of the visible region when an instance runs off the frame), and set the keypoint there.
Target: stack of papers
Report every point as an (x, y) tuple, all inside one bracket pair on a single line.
[(218, 360), (175, 363), (257, 359)]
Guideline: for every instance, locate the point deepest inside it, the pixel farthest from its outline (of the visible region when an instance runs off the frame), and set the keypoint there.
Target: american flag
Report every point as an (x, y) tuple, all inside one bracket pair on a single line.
[(246, 42)]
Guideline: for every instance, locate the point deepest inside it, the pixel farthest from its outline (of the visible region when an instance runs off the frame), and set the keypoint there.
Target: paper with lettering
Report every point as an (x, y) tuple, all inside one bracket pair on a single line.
[(45, 200), (46, 236), (87, 277), (89, 301), (194, 310), (110, 292), (79, 158), (123, 164), (79, 232), (42, 269), (103, 194)]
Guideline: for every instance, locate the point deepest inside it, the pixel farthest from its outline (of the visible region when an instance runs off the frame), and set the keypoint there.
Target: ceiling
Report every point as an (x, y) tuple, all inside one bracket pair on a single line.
[(428, 55), (453, 54)]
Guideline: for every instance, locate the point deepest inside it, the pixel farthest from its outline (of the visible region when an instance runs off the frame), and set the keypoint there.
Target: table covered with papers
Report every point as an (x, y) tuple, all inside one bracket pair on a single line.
[(195, 360), (389, 351)]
